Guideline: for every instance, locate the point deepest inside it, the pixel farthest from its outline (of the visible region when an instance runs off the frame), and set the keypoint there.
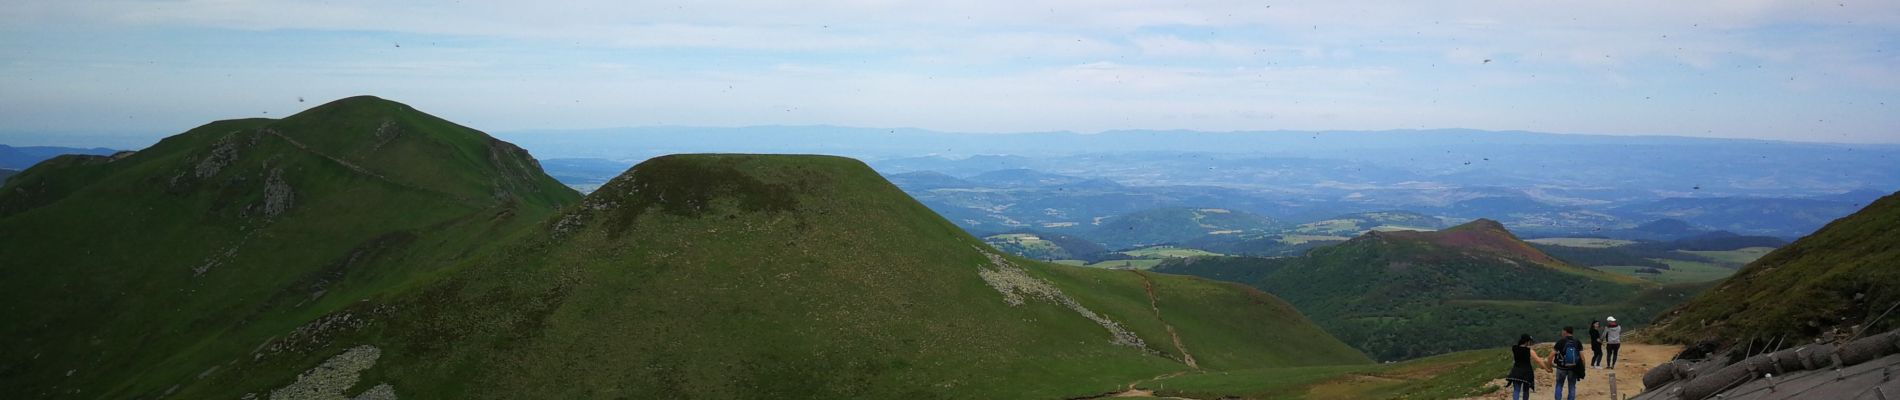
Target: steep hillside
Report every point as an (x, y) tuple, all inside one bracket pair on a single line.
[(703, 276), (1401, 295), (1175, 225), (1824, 286), (126, 274), (6, 173)]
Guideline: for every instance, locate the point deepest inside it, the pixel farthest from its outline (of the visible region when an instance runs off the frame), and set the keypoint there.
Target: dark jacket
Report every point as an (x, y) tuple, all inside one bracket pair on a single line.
[(1596, 337), (1521, 369)]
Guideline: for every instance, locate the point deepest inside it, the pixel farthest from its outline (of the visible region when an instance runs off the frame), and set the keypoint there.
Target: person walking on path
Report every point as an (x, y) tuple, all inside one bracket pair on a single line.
[(1613, 337), (1596, 346), (1567, 358), (1522, 378)]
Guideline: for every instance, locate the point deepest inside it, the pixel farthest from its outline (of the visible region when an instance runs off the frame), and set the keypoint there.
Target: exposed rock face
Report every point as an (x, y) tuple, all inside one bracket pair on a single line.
[(328, 380), (1015, 284), (222, 153), (278, 195)]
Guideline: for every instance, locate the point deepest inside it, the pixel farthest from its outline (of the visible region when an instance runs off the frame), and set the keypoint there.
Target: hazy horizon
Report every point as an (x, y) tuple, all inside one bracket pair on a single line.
[(1778, 70)]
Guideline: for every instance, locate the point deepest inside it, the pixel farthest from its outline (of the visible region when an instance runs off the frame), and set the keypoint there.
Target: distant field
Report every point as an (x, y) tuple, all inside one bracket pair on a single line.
[(1741, 256), (1678, 272), (1127, 264), (1595, 243), (1331, 225), (1168, 252), (1394, 228), (1455, 375), (1027, 242), (1303, 239)]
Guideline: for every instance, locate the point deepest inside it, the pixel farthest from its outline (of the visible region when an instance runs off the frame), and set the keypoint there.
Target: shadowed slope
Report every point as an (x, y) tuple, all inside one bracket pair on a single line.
[(129, 274)]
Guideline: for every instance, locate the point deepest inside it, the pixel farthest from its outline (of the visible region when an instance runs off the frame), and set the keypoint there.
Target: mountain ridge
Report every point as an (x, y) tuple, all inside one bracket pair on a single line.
[(229, 233), (257, 257)]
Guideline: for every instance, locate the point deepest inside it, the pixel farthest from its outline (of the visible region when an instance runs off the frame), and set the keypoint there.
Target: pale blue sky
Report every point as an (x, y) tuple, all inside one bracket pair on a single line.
[(1792, 70)]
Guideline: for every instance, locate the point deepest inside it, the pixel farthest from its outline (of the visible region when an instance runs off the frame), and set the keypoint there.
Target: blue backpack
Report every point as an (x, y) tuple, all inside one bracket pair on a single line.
[(1571, 356)]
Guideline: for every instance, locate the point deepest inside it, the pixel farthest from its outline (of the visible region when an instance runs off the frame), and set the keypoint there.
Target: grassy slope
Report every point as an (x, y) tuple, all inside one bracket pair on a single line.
[(1401, 296), (1454, 375), (1804, 290), (100, 276), (780, 277)]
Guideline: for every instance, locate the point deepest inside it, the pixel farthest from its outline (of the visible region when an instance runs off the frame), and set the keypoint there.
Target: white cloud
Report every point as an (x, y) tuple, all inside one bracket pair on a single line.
[(1026, 65)]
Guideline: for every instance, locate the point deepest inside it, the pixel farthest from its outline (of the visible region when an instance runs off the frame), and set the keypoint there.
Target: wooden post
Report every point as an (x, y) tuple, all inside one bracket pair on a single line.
[(1612, 384)]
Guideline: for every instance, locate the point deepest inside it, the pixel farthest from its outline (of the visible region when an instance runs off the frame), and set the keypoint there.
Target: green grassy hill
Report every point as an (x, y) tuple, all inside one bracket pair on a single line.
[(1402, 295), (127, 275), (185, 271), (802, 277), (1820, 287)]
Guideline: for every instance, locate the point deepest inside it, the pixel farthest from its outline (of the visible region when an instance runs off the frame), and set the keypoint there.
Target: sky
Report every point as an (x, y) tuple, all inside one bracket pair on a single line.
[(1826, 71)]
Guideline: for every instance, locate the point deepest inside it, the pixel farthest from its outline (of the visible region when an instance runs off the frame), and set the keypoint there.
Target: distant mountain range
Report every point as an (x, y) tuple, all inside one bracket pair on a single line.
[(19, 158)]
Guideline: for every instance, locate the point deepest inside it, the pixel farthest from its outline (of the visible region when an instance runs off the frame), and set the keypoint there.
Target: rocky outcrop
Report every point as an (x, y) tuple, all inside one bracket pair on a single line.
[(1814, 371), (1015, 284), (337, 374)]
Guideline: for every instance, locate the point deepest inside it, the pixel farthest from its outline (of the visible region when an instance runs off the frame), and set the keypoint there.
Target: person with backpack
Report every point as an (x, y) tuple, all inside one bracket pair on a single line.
[(1567, 357), (1596, 346), (1522, 377), (1614, 338)]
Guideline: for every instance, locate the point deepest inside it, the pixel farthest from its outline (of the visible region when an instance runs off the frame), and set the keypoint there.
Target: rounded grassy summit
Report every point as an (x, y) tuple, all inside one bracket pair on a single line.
[(364, 249)]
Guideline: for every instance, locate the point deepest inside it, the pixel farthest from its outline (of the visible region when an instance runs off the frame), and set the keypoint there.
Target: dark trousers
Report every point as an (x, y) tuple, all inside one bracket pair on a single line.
[(1613, 348), (1596, 354)]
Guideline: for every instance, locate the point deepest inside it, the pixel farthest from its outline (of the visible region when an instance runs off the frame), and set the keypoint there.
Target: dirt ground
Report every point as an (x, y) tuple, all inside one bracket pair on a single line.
[(1633, 361)]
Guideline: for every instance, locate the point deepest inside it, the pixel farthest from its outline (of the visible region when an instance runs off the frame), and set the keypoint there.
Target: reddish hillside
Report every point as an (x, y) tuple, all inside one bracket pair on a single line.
[(1482, 235)]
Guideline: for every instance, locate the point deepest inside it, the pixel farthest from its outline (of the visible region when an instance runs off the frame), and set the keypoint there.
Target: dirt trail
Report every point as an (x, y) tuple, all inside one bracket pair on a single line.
[(1633, 361), (1132, 391), (1149, 285)]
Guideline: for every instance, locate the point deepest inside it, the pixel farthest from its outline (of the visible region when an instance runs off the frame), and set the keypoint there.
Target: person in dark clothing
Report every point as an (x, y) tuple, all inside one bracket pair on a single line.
[(1522, 377), (1596, 346), (1566, 358)]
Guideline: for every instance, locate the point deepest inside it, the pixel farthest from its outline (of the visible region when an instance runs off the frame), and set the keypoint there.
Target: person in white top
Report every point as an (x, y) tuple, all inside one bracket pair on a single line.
[(1613, 339)]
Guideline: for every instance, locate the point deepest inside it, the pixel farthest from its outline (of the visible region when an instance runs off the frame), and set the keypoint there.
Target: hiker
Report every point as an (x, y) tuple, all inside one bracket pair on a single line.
[(1522, 377), (1596, 346), (1614, 337), (1567, 361)]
